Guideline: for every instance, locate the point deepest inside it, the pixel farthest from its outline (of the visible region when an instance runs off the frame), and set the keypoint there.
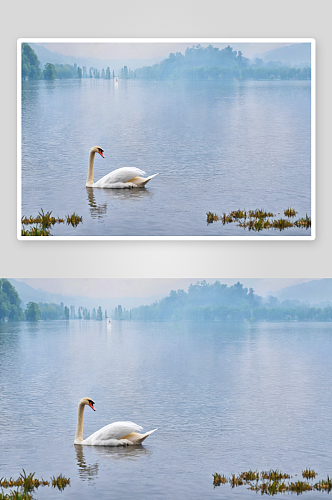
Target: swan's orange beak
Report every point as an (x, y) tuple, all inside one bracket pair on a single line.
[(101, 154), (91, 406)]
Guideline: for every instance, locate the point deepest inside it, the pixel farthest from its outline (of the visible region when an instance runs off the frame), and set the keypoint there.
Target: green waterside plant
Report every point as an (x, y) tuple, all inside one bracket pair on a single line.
[(273, 482), (44, 222), (259, 219), (26, 484)]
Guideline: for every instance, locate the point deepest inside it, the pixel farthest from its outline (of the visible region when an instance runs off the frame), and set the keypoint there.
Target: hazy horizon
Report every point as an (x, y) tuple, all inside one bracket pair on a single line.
[(148, 50), (146, 287)]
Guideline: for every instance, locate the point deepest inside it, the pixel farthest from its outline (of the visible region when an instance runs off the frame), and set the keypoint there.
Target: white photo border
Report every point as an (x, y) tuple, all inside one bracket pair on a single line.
[(312, 41)]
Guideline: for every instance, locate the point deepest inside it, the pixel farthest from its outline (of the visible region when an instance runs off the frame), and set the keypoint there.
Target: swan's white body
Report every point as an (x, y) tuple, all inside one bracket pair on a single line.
[(126, 177), (116, 434)]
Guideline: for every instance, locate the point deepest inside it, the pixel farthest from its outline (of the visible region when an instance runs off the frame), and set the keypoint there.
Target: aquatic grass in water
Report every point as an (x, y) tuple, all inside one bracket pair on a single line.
[(235, 481), (210, 217), (281, 224), (271, 482), (250, 476), (324, 485), (44, 222), (16, 495), (74, 219), (219, 479), (260, 214), (309, 474), (60, 482), (24, 481), (299, 487), (27, 484), (274, 475), (35, 231), (303, 222), (259, 219), (290, 212)]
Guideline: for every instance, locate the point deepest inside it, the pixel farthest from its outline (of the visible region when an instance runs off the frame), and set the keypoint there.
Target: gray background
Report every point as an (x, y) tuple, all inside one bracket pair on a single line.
[(159, 18)]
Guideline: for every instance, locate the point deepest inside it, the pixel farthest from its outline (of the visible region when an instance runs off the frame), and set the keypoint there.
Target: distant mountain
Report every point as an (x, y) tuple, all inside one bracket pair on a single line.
[(297, 53), (29, 294), (48, 56), (314, 292)]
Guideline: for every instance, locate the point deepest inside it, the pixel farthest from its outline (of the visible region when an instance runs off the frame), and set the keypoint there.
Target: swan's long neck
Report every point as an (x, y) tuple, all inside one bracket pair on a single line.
[(79, 426), (89, 181)]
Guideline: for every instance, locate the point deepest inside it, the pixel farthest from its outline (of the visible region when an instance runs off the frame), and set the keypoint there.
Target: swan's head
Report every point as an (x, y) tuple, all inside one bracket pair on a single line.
[(96, 149), (88, 402)]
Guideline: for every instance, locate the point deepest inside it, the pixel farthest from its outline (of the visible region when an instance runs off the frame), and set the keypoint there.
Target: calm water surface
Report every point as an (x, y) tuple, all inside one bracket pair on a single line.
[(225, 398), (218, 146)]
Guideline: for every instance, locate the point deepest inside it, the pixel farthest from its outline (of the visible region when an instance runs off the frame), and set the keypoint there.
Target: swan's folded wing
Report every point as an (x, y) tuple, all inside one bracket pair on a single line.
[(124, 174), (117, 430)]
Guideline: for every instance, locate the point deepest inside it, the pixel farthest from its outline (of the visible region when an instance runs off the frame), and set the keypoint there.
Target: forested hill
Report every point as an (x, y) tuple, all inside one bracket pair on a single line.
[(218, 302), (200, 63), (199, 302)]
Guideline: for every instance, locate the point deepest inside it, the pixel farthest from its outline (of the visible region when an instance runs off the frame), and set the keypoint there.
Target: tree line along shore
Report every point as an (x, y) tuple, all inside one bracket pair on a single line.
[(198, 63), (202, 302)]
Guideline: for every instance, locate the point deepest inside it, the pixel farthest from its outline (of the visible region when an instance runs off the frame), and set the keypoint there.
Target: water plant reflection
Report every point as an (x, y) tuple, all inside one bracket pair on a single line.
[(28, 483), (272, 482), (259, 219), (44, 222)]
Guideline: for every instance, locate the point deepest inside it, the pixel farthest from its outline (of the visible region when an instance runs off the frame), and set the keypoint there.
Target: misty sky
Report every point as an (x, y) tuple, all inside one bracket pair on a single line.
[(147, 50), (146, 287)]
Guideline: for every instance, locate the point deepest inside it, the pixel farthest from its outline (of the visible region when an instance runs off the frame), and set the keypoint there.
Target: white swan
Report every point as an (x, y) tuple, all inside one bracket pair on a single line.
[(117, 434), (126, 177)]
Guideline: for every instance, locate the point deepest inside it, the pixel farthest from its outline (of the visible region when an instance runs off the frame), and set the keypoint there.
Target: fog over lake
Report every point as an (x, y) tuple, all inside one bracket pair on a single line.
[(217, 146), (226, 397)]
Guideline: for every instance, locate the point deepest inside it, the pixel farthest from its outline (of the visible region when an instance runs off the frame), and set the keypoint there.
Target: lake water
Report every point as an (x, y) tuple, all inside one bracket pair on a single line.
[(217, 146), (225, 398)]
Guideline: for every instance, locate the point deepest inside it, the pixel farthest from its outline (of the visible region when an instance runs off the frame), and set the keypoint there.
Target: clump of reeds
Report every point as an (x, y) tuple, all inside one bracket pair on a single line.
[(219, 479), (210, 217), (35, 231), (27, 484), (30, 483), (273, 482), (309, 474), (226, 219), (74, 219), (16, 495), (324, 485), (270, 488), (290, 212), (259, 219), (299, 487), (249, 476), (60, 482), (235, 481), (274, 475), (45, 219), (260, 214), (44, 222), (304, 222), (281, 224), (239, 214)]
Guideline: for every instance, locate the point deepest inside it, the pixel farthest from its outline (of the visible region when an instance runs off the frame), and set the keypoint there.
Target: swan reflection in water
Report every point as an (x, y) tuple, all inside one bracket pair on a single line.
[(85, 471), (88, 471), (98, 209)]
